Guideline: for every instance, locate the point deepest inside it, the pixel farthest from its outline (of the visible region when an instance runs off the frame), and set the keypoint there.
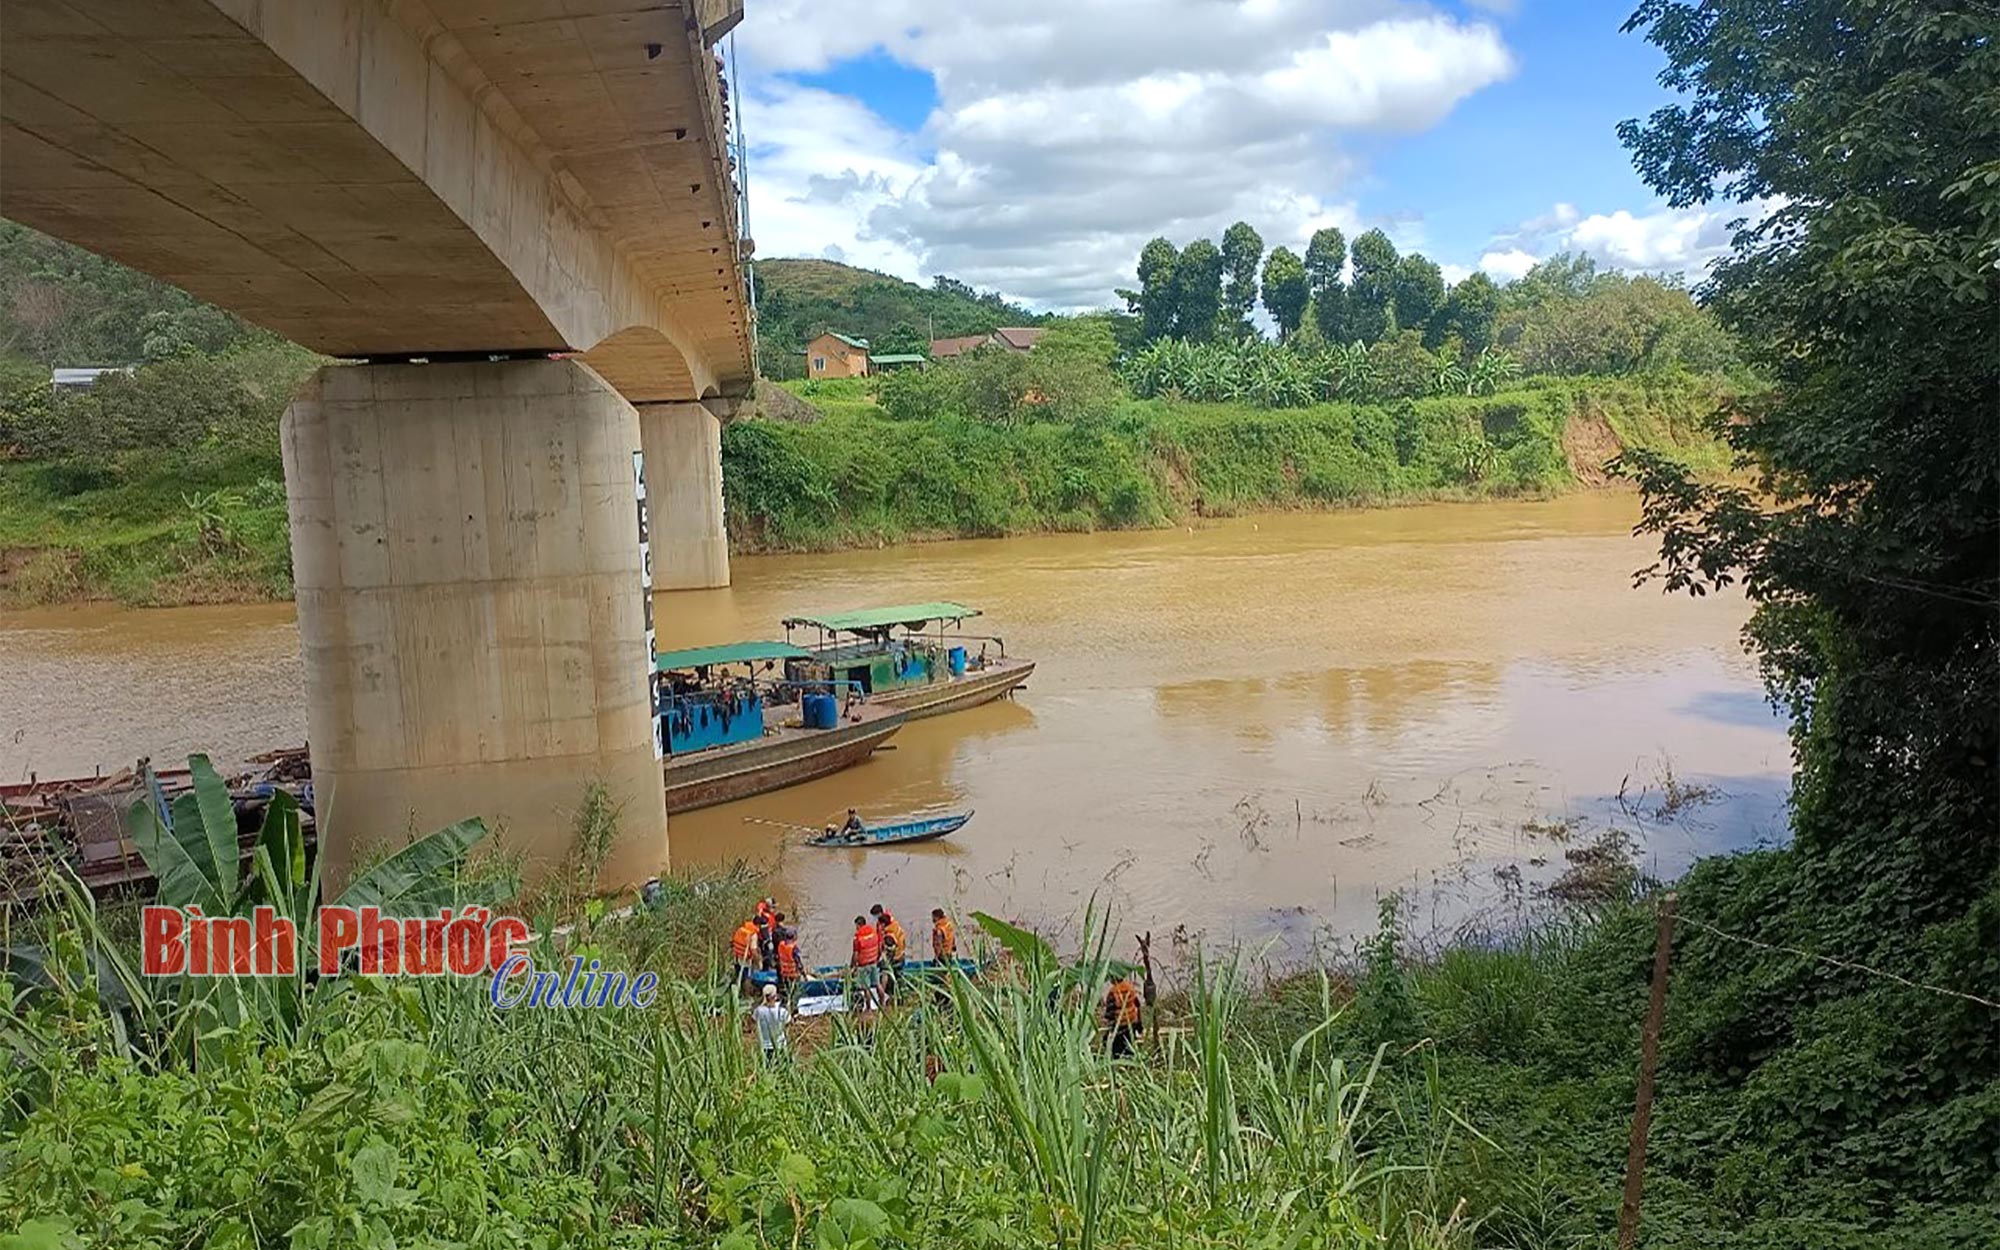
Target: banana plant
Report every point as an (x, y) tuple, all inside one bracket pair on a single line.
[(1494, 368), (196, 860)]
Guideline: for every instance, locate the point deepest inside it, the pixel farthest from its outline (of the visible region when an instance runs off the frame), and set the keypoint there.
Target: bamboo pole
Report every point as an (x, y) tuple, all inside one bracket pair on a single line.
[(1649, 1056)]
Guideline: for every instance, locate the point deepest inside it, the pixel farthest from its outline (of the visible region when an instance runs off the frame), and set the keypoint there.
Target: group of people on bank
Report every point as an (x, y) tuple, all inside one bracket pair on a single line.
[(767, 942)]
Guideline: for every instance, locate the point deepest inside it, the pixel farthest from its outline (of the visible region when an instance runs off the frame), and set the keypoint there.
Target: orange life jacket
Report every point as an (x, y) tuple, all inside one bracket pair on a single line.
[(894, 941), (867, 947), (1121, 1004), (944, 940), (764, 911), (788, 959), (744, 943)]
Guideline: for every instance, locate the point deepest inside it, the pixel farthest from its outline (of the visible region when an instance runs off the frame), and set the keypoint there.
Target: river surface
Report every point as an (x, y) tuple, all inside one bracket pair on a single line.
[(1253, 729)]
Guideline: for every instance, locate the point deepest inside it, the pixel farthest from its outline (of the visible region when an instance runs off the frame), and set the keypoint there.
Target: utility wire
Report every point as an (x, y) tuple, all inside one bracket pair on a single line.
[(1848, 965)]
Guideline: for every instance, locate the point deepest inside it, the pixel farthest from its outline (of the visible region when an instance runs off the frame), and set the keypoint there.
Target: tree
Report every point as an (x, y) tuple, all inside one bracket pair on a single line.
[(1155, 297), (1326, 257), (1198, 291), (1242, 249), (1371, 295), (1870, 540), (1286, 290), (1418, 296), (903, 340), (1469, 312)]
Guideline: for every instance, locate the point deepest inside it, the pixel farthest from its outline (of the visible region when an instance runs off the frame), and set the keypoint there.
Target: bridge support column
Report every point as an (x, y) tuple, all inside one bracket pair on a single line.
[(684, 476), (473, 617)]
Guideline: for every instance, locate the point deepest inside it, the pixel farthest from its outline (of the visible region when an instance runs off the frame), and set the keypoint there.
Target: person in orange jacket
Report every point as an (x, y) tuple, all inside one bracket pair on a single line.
[(895, 943), (1121, 1014), (944, 939), (865, 971), (791, 968), (743, 949)]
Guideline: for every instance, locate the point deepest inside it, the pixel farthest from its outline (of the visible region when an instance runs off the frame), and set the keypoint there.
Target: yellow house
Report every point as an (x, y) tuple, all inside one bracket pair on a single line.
[(833, 355)]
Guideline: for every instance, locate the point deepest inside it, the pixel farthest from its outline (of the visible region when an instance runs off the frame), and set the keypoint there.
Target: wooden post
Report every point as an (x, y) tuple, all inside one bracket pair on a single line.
[(1649, 1056)]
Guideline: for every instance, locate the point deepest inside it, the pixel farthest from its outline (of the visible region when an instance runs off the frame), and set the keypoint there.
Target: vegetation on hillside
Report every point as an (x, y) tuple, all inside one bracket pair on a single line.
[(797, 299)]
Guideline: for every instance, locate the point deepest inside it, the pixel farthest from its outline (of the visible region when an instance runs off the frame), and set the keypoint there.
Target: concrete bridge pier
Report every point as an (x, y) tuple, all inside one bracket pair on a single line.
[(473, 613), (683, 445)]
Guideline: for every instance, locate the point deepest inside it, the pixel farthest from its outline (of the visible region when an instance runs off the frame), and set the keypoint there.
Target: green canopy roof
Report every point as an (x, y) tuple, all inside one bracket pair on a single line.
[(910, 614), (727, 653)]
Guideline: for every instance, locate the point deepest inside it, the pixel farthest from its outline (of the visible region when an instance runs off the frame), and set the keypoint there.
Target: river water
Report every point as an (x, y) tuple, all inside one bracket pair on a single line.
[(1252, 729)]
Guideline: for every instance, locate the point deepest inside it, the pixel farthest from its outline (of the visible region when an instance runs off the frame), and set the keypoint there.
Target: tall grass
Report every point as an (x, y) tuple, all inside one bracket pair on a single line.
[(989, 1114)]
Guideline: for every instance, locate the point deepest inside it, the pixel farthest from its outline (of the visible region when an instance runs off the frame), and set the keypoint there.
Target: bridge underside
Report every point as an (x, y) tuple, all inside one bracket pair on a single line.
[(375, 179), (386, 179)]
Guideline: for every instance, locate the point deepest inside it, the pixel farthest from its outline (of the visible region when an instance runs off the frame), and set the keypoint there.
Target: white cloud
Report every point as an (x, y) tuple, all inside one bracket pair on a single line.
[(1678, 240), (821, 163), (1507, 265), (1068, 134)]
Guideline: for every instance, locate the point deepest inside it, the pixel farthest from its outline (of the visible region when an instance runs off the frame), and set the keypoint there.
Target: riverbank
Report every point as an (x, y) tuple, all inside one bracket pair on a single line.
[(860, 478), (211, 528)]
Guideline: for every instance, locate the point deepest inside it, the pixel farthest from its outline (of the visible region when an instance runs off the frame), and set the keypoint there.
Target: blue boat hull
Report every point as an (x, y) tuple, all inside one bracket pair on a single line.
[(903, 831)]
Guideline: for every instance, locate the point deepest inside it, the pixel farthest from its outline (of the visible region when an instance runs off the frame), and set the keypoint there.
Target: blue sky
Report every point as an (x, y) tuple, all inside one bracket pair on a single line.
[(1033, 146)]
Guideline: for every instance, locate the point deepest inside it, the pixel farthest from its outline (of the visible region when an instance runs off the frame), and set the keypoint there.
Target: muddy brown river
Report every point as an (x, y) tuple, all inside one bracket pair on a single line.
[(1253, 729)]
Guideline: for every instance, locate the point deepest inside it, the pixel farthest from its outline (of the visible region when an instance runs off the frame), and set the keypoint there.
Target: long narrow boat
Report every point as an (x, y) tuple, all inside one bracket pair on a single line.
[(730, 732), (922, 830), (827, 979), (913, 656)]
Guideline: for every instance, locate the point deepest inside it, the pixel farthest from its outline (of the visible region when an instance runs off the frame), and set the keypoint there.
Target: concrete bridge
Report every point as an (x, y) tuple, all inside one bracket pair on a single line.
[(521, 215)]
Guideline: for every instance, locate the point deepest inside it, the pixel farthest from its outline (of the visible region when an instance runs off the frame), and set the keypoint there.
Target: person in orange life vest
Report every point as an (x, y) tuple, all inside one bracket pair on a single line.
[(895, 944), (791, 969), (1121, 1014), (866, 973), (743, 948), (944, 938), (767, 944), (766, 908)]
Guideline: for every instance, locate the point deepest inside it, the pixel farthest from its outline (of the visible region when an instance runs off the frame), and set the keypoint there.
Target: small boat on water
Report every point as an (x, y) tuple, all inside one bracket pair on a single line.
[(732, 724), (913, 656), (923, 829)]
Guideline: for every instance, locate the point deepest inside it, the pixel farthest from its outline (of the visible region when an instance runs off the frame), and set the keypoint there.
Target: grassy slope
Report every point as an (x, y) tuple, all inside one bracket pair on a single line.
[(859, 477), (134, 536)]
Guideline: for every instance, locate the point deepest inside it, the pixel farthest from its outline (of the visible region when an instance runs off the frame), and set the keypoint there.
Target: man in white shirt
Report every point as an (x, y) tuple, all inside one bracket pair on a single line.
[(771, 1019)]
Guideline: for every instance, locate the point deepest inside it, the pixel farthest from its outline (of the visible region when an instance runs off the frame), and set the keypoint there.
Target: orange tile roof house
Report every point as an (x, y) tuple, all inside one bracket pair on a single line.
[(1013, 338), (832, 355)]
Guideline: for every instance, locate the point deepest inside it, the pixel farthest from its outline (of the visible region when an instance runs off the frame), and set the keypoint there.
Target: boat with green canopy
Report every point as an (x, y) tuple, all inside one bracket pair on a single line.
[(731, 722), (913, 656)]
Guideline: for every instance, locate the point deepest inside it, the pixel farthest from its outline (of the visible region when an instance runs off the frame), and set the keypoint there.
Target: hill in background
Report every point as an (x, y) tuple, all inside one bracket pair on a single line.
[(797, 299)]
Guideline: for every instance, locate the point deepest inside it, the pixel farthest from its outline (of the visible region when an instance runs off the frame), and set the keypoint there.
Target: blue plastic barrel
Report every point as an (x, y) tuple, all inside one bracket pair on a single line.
[(957, 658), (820, 711)]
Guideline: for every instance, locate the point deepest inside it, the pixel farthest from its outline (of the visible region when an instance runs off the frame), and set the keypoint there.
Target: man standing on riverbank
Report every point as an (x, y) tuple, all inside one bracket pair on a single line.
[(865, 972), (771, 1020), (1121, 1015)]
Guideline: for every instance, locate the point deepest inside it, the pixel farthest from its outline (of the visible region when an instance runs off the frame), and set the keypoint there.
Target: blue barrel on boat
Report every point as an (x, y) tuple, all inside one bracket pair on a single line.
[(820, 711), (956, 657)]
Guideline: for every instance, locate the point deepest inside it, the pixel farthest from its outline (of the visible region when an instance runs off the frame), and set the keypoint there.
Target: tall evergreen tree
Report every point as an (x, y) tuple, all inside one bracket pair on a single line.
[(1419, 296), (1326, 257), (1286, 290), (1156, 295), (1242, 251), (1198, 291), (1371, 296)]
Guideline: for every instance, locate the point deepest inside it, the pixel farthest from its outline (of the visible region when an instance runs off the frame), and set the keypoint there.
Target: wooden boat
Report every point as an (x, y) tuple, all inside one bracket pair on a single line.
[(729, 734), (921, 830), (81, 820), (895, 656)]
